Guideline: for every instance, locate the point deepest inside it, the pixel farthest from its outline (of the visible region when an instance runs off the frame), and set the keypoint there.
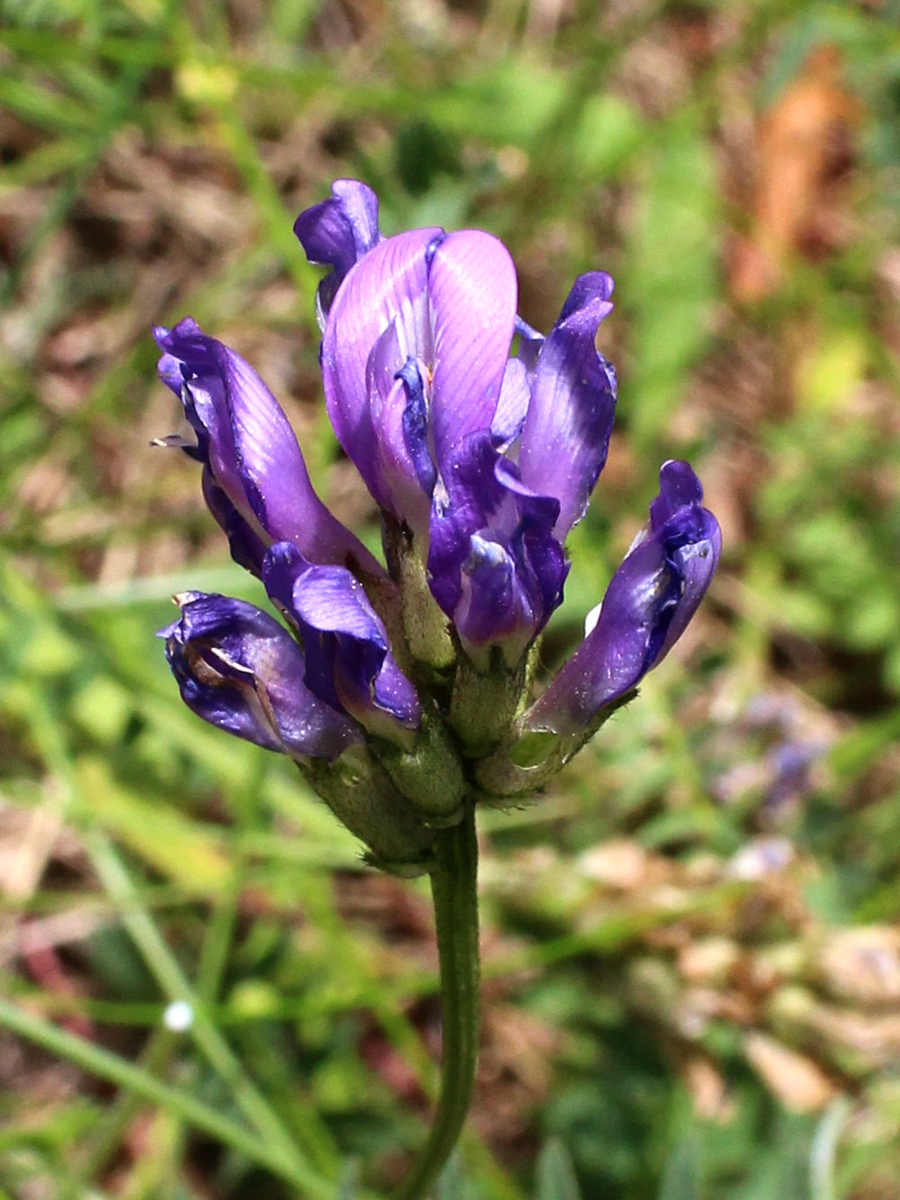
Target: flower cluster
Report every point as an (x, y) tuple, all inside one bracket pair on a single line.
[(399, 690)]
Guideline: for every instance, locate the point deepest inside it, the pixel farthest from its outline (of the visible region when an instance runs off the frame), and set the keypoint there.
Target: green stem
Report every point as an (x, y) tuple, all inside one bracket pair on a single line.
[(454, 888)]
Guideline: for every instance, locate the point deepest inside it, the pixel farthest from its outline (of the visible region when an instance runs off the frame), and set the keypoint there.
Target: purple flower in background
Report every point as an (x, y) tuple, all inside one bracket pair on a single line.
[(480, 441)]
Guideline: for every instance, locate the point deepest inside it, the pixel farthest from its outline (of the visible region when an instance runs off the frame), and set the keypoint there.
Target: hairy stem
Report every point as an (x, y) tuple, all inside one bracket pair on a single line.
[(454, 890)]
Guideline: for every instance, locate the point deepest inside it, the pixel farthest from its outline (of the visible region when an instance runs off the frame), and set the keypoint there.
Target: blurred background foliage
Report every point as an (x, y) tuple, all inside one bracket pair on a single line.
[(692, 945)]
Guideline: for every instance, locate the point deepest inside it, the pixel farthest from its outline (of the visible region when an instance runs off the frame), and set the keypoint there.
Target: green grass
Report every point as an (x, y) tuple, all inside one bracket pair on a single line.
[(679, 889)]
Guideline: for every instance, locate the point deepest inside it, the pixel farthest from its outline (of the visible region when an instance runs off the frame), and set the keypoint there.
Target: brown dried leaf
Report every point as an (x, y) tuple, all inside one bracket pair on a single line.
[(799, 1083), (795, 146), (862, 965)]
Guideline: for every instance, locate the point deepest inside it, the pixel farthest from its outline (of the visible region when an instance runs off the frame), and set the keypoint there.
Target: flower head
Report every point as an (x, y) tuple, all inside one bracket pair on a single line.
[(480, 441)]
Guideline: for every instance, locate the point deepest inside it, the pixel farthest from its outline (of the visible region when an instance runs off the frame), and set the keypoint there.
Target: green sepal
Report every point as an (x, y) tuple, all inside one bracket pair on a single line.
[(430, 775), (361, 795)]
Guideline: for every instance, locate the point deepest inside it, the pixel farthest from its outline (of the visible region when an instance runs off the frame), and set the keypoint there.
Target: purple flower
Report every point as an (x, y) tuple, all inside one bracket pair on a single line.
[(480, 441), (239, 669), (647, 607), (257, 486), (487, 459), (348, 656), (254, 478)]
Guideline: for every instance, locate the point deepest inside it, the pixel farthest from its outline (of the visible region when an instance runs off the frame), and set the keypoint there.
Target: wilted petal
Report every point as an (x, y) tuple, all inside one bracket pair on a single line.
[(250, 448), (337, 233), (472, 302), (348, 658), (647, 606), (388, 287), (239, 669), (573, 398)]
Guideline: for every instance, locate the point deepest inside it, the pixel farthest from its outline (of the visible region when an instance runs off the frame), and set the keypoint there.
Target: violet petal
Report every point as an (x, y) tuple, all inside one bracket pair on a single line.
[(251, 450), (647, 606), (472, 304), (239, 669), (348, 659), (494, 566), (337, 233), (573, 397)]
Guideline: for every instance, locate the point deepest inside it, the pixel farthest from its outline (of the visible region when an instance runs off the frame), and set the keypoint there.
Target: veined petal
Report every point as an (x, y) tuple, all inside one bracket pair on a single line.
[(647, 606), (348, 659), (573, 397), (387, 286), (472, 301), (338, 232), (250, 448), (239, 669)]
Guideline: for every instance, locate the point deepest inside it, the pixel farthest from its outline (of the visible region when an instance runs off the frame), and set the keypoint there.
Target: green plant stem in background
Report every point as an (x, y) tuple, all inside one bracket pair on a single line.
[(139, 1082), (454, 888)]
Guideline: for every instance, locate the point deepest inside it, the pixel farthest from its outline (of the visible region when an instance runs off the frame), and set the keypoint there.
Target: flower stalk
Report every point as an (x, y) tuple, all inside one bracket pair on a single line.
[(454, 889)]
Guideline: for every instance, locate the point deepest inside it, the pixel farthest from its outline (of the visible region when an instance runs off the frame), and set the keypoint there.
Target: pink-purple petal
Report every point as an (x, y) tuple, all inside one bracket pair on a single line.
[(472, 300), (388, 285)]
